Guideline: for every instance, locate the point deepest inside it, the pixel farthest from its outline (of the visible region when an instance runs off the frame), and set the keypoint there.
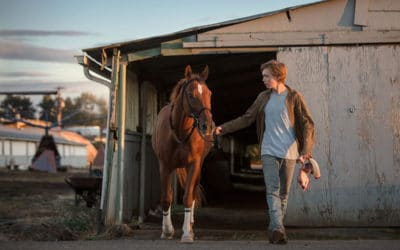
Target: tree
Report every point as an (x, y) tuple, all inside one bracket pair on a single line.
[(89, 111), (85, 110), (49, 109), (69, 107), (13, 105)]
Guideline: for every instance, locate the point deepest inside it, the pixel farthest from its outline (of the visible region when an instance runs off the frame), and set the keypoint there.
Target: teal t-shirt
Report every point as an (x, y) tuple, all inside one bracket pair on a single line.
[(279, 137)]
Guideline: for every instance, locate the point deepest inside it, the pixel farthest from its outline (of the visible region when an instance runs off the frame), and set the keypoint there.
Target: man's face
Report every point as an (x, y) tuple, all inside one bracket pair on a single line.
[(269, 81)]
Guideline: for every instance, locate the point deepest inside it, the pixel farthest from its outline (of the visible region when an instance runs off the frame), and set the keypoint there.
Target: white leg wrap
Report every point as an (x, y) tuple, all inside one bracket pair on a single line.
[(186, 228), (186, 223), (167, 227)]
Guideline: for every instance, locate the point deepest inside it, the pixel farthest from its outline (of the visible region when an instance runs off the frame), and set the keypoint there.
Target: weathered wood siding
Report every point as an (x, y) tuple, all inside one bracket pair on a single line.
[(353, 93), (132, 102), (383, 15), (152, 176), (302, 19), (132, 163), (339, 15), (330, 22), (151, 107)]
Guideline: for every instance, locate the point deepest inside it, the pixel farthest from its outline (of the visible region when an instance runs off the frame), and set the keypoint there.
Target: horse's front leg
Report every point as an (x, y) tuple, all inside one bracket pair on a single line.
[(189, 202), (166, 200)]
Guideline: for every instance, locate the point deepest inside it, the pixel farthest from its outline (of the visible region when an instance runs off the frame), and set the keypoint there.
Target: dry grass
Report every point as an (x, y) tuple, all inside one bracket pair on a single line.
[(41, 206)]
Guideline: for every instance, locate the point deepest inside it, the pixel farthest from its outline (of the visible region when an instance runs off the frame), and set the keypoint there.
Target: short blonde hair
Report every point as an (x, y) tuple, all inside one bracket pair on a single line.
[(278, 70)]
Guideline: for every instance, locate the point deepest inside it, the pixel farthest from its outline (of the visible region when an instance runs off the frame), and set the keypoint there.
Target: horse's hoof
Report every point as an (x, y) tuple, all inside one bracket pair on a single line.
[(167, 236), (187, 238)]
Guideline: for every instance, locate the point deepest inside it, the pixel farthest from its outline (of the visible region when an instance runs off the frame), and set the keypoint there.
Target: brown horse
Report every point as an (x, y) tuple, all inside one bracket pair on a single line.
[(181, 139)]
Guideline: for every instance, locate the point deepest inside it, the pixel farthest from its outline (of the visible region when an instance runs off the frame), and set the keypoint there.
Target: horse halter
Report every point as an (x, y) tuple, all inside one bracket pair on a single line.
[(194, 115)]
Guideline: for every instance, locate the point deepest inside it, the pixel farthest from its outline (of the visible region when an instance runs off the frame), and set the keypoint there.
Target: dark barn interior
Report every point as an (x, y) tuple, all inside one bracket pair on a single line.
[(234, 79)]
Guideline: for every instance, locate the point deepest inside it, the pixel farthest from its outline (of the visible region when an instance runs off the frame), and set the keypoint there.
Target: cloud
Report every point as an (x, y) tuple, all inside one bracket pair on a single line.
[(23, 51), (8, 33), (23, 85), (68, 88), (23, 74)]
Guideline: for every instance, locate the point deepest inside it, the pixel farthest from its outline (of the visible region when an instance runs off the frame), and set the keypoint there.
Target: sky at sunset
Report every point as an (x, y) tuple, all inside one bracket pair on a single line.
[(38, 38)]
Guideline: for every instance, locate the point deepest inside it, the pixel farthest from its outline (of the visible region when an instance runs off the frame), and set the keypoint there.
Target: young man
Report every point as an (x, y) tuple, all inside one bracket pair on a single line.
[(285, 132)]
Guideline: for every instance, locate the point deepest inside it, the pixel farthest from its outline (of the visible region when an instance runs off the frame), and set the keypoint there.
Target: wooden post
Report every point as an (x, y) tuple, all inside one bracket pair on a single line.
[(121, 143), (106, 168), (143, 121), (109, 171)]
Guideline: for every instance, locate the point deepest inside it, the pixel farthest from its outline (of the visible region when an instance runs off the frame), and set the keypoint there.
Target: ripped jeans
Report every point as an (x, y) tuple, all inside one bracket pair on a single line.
[(278, 175)]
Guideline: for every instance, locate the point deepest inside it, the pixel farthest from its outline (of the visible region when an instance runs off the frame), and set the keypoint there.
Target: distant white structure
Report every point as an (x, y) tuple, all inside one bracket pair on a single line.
[(18, 146)]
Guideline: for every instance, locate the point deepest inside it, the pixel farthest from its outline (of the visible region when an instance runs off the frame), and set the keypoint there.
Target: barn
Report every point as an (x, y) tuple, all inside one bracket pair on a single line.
[(342, 55)]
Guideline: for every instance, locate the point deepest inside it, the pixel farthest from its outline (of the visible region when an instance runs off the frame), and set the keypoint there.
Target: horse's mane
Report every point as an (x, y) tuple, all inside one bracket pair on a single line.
[(178, 88)]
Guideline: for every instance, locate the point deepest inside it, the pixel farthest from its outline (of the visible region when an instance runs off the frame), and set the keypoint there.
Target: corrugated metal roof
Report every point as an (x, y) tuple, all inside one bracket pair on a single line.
[(31, 134), (151, 42)]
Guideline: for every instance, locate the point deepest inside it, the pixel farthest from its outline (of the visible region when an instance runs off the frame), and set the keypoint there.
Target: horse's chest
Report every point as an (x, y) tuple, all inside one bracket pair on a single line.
[(181, 156)]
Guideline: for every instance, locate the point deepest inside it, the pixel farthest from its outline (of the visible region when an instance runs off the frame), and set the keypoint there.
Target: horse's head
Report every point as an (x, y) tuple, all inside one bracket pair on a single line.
[(196, 99)]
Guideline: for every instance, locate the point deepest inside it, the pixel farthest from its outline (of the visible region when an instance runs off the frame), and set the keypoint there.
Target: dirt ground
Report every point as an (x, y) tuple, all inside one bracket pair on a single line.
[(41, 206)]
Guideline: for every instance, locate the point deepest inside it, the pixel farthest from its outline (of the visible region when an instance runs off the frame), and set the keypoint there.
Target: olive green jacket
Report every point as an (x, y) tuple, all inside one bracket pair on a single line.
[(299, 116)]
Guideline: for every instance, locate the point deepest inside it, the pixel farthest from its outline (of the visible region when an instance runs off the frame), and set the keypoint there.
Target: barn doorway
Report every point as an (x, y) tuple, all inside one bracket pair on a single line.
[(235, 80)]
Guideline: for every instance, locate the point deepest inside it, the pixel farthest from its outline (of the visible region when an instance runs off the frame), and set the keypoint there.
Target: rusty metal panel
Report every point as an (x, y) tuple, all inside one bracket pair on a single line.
[(354, 96)]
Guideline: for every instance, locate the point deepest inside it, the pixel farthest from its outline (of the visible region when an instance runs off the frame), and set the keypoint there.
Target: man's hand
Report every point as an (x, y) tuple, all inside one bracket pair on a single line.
[(218, 130), (302, 159)]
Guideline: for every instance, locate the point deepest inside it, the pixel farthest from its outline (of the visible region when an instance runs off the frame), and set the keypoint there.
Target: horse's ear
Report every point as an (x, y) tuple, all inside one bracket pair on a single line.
[(204, 74), (188, 72)]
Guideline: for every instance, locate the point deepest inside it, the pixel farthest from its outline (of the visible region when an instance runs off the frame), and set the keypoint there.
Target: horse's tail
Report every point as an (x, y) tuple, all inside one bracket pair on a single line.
[(181, 173)]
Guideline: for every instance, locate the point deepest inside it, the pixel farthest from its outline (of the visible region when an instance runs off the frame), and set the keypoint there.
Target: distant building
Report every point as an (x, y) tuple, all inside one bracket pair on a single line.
[(19, 144)]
